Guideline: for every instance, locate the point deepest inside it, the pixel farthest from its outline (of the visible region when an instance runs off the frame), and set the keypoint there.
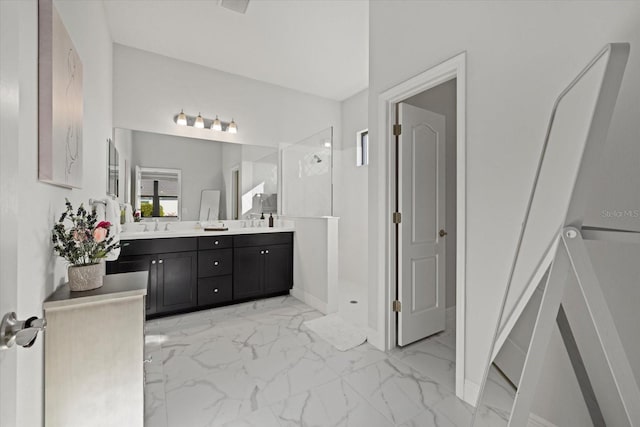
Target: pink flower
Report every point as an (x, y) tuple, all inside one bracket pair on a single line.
[(99, 234), (79, 235), (103, 224)]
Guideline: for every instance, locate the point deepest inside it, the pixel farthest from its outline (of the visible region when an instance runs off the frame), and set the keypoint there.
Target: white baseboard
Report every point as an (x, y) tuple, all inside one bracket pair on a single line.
[(471, 392), (310, 300), (375, 339), (537, 421)]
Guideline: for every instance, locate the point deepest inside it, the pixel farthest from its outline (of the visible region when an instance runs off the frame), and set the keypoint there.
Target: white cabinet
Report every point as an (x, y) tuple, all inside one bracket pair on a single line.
[(94, 347)]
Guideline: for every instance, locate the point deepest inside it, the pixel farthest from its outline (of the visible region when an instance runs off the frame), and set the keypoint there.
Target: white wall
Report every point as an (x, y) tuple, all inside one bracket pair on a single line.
[(520, 56), (150, 89), (307, 169), (442, 100), (35, 270), (350, 194)]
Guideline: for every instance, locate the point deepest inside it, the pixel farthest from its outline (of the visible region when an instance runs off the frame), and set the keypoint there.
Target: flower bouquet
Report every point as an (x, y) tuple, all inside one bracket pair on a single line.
[(83, 244)]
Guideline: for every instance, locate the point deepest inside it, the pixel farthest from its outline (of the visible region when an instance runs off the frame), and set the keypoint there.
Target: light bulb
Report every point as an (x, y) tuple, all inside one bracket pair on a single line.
[(233, 128), (199, 123), (216, 125), (182, 119)]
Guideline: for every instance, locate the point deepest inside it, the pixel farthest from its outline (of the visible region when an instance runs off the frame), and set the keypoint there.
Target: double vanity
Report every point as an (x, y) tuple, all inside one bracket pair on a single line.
[(193, 269)]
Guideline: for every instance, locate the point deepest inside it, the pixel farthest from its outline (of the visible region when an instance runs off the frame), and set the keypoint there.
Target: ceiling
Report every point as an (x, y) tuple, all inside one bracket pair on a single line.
[(319, 47)]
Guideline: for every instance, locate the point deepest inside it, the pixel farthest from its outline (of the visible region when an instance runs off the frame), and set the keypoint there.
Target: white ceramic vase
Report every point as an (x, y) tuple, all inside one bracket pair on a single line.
[(86, 277)]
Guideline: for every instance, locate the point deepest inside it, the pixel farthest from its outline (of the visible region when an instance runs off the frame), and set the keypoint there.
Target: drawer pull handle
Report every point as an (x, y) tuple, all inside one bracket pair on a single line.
[(215, 291), (153, 261), (266, 252), (125, 244), (262, 252), (215, 263), (160, 262), (216, 242)]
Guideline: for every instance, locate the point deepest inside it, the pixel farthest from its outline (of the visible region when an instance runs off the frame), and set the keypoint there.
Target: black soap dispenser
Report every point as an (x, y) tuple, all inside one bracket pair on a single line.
[(271, 220)]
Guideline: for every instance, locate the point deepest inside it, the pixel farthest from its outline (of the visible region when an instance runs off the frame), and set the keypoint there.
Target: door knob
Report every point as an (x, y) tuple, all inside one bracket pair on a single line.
[(20, 332), (215, 262), (443, 233)]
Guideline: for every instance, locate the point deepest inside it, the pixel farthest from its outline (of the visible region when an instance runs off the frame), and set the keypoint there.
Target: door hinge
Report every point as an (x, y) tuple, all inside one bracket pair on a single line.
[(397, 306), (397, 130), (397, 217)]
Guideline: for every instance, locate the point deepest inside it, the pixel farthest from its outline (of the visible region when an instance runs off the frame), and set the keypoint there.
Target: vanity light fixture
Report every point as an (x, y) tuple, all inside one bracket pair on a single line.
[(182, 118), (232, 128), (200, 122), (216, 125)]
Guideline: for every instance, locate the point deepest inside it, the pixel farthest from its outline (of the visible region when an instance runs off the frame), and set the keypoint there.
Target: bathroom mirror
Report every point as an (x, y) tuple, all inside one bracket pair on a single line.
[(552, 389), (158, 192), (247, 176), (113, 170)]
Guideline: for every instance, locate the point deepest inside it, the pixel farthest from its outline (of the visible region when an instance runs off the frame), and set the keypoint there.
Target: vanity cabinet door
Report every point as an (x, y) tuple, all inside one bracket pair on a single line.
[(278, 268), (248, 272), (177, 281), (128, 264)]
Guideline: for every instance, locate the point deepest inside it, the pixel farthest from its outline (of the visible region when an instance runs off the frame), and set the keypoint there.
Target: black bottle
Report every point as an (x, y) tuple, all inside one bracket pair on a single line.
[(262, 216), (271, 220)]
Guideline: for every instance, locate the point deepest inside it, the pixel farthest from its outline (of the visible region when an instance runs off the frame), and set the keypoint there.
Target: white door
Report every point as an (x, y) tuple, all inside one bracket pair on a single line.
[(421, 191), (9, 196)]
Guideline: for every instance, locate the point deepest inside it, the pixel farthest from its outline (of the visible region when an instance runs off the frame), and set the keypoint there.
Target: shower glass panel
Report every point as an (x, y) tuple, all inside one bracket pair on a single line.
[(307, 176)]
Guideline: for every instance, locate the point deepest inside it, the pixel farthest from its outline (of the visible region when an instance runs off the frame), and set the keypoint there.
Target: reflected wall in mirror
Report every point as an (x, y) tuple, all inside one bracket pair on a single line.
[(245, 175), (158, 192), (557, 356)]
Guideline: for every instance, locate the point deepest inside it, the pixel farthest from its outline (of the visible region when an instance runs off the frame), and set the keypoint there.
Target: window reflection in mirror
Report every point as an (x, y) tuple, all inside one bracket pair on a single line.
[(158, 192)]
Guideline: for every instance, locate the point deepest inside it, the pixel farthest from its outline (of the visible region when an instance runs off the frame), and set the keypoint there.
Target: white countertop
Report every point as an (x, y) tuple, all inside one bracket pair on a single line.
[(199, 232)]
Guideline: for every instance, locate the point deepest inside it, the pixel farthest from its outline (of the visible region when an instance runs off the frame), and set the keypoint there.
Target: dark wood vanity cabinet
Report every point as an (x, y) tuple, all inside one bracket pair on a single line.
[(172, 266), (189, 273), (263, 264), (177, 281)]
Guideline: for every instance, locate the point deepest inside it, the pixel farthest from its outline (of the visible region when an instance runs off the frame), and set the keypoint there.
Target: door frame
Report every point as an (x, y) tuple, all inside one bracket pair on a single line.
[(454, 67)]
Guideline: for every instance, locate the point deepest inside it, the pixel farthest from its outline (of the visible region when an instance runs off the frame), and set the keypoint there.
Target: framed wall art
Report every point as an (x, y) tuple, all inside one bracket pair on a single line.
[(60, 101)]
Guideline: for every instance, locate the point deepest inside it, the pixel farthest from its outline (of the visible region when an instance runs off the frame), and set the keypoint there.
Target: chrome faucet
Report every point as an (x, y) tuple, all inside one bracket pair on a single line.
[(166, 227), (157, 227)]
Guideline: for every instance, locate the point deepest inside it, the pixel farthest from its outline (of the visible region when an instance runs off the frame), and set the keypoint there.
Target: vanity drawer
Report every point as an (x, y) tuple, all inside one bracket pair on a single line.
[(157, 246), (263, 239), (215, 242), (215, 263), (214, 290)]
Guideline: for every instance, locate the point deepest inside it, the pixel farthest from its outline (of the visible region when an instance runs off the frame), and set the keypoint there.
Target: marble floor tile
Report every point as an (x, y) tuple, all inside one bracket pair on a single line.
[(397, 390), (282, 375), (334, 404), (261, 418), (431, 358), (429, 418), (455, 410), (256, 364)]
